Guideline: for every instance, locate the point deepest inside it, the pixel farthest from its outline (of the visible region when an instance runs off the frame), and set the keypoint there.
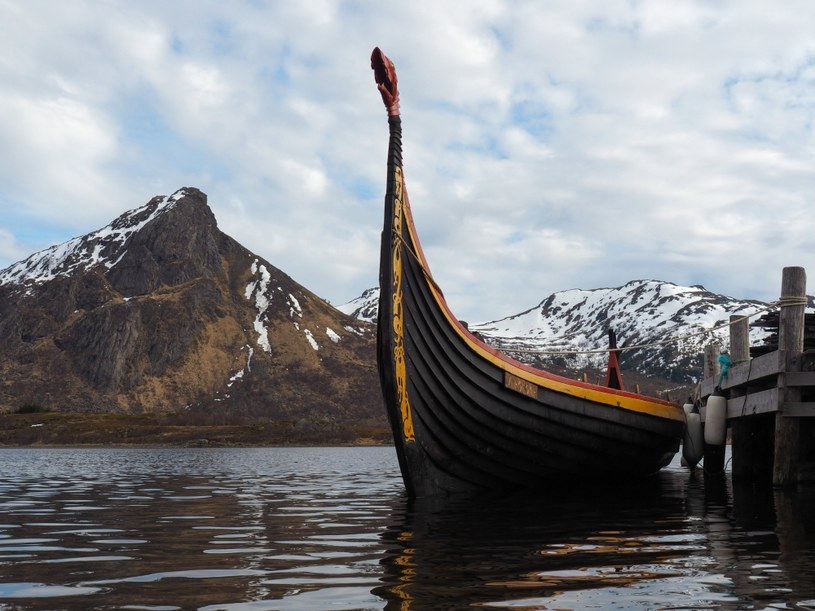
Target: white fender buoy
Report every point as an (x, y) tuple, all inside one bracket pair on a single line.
[(693, 443), (716, 420)]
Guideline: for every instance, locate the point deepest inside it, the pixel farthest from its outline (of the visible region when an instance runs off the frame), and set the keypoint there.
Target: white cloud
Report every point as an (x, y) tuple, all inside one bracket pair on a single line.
[(10, 248), (547, 145), (56, 150)]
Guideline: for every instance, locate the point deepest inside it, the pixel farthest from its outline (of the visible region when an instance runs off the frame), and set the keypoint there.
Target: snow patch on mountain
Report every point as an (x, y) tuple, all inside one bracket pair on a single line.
[(311, 340), (105, 246), (258, 289), (294, 308), (238, 375)]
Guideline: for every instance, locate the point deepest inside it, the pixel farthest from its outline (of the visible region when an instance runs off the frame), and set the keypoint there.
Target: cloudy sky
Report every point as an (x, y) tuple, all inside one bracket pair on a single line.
[(549, 145)]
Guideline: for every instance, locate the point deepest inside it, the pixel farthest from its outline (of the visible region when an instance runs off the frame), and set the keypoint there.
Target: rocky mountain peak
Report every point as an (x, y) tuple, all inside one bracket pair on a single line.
[(159, 310), (105, 246), (169, 241)]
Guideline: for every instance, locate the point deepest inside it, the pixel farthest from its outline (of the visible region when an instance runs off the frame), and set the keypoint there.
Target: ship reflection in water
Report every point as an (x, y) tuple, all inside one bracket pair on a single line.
[(676, 542), (331, 528)]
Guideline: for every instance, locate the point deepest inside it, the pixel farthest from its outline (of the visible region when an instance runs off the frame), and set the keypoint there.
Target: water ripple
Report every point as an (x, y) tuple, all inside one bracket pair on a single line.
[(320, 528)]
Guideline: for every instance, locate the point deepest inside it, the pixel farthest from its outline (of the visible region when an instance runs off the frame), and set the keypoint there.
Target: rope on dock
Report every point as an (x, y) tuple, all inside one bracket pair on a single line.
[(786, 302)]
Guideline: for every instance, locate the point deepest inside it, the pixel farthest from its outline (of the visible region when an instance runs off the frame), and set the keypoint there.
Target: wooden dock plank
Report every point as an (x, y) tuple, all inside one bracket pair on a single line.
[(761, 402), (800, 378), (798, 410)]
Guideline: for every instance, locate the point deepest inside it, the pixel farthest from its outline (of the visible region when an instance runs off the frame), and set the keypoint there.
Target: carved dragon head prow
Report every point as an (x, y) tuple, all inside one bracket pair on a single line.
[(385, 75)]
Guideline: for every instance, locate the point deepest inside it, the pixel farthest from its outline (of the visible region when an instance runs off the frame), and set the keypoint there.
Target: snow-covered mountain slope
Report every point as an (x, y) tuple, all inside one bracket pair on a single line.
[(363, 307), (674, 324), (104, 246)]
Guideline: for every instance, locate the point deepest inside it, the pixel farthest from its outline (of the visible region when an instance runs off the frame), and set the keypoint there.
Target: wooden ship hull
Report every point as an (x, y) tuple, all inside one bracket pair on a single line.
[(466, 417)]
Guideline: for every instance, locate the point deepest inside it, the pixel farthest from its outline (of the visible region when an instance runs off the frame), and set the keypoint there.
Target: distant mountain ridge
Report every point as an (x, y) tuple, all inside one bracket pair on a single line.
[(641, 312), (161, 311)]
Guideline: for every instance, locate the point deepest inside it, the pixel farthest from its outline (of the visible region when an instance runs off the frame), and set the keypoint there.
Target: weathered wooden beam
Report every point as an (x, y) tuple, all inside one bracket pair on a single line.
[(800, 378), (761, 402), (741, 429), (751, 436), (798, 410), (791, 340), (711, 363), (739, 339)]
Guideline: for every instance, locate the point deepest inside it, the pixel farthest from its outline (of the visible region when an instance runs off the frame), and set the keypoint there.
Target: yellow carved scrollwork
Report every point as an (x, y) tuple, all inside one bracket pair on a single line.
[(398, 311)]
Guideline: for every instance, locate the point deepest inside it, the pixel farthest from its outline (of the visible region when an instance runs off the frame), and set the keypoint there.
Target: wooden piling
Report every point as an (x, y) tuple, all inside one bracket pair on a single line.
[(740, 428), (751, 437), (791, 342), (711, 361), (739, 339)]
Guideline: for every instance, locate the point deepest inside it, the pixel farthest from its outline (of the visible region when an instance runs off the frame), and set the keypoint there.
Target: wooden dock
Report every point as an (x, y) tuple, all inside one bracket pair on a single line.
[(770, 398)]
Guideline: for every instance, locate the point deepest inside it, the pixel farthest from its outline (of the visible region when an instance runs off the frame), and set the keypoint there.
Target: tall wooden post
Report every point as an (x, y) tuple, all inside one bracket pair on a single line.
[(711, 362), (739, 339), (751, 436), (791, 341), (740, 428)]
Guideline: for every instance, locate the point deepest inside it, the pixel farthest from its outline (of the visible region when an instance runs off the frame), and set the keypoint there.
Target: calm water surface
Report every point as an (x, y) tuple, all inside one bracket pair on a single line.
[(330, 528)]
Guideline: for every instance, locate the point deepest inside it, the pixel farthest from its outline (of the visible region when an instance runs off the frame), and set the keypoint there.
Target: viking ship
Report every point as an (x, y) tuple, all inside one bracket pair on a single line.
[(466, 417)]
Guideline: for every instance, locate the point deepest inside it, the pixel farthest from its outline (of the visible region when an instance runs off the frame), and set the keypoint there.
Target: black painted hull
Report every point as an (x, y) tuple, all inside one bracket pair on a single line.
[(466, 417)]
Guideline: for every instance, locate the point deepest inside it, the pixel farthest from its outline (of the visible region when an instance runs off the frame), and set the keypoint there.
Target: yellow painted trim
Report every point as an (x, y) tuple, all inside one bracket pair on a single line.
[(400, 365)]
